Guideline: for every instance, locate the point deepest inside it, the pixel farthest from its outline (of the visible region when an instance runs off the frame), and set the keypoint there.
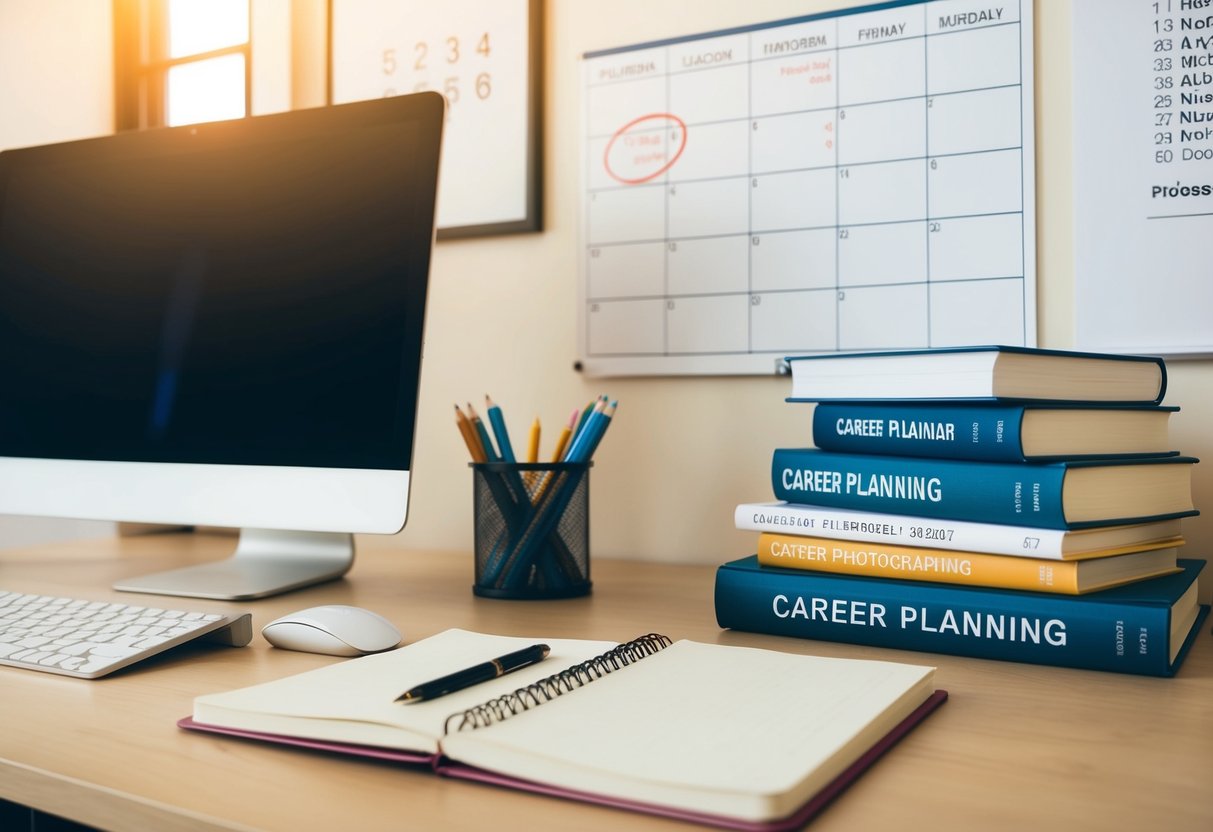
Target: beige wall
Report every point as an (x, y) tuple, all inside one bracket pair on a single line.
[(683, 451), (56, 71), (56, 84), (502, 319)]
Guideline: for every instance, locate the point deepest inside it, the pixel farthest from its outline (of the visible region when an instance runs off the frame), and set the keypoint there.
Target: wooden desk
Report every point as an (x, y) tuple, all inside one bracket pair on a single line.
[(1017, 747)]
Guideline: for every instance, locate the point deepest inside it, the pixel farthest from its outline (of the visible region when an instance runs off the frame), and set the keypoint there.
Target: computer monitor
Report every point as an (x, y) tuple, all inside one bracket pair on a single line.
[(221, 325)]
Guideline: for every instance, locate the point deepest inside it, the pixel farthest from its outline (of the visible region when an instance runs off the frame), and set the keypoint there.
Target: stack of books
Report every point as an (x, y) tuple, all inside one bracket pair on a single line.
[(997, 502)]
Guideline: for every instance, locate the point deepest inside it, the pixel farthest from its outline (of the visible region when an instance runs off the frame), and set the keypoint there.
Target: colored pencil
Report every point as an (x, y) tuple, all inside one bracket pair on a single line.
[(562, 443), (469, 436), (486, 441), (497, 420), (532, 451), (581, 441)]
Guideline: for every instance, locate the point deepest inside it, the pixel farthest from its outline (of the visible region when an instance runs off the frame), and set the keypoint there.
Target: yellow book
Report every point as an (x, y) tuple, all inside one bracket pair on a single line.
[(876, 560)]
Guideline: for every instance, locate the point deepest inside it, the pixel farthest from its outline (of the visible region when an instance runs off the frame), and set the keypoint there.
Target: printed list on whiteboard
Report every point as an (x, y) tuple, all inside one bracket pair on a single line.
[(1143, 175)]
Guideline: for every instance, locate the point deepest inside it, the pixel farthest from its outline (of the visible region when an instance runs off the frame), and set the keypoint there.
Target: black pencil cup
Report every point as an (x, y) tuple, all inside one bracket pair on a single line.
[(532, 536)]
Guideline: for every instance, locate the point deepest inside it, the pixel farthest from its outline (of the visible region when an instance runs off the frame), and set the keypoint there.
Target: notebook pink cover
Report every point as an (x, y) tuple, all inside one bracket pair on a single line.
[(392, 754), (450, 768)]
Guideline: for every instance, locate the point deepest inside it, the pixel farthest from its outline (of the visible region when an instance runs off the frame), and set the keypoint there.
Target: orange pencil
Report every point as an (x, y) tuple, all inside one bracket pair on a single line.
[(469, 436), (482, 434), (563, 442)]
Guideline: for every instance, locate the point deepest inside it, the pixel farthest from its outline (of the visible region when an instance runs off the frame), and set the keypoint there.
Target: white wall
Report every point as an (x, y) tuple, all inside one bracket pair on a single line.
[(56, 84), (56, 71), (683, 451)]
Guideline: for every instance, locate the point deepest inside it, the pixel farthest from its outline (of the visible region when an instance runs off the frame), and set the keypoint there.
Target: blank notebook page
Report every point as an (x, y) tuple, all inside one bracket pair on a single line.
[(726, 730)]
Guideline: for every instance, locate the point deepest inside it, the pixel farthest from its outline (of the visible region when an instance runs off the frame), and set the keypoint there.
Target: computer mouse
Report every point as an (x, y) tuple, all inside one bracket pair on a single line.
[(334, 629)]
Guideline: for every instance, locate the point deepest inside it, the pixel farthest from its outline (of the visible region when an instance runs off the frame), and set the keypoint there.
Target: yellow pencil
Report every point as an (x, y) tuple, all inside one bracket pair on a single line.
[(563, 442), (532, 453), (469, 436)]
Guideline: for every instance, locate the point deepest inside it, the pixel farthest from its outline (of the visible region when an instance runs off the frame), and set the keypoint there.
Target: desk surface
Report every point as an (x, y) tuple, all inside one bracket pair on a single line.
[(1016, 747)]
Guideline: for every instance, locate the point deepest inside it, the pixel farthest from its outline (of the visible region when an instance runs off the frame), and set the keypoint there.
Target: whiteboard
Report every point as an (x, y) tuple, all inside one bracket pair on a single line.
[(859, 179), (1143, 176), (483, 56)]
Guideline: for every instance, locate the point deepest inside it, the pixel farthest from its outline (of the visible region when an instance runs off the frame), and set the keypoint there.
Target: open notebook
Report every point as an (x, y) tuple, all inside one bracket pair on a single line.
[(733, 736)]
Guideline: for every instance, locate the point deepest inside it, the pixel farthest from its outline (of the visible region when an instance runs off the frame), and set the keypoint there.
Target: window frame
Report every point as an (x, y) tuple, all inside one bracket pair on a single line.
[(142, 63)]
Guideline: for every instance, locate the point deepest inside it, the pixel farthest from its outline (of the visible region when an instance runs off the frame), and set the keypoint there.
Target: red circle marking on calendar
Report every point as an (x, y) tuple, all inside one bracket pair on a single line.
[(639, 145)]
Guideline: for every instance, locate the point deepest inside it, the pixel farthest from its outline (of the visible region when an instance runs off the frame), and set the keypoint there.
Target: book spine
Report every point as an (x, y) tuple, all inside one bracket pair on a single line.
[(981, 623), (989, 434), (986, 492), (845, 557), (900, 530)]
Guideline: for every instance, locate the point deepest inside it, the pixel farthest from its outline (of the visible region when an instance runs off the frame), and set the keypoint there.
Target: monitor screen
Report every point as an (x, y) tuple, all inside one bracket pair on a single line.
[(219, 301)]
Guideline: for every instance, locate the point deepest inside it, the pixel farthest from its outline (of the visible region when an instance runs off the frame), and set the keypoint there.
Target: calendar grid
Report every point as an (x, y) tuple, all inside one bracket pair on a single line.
[(749, 272), (837, 234), (807, 51), (926, 140), (923, 182), (830, 108), (923, 283), (665, 331), (792, 230), (691, 181), (1025, 232)]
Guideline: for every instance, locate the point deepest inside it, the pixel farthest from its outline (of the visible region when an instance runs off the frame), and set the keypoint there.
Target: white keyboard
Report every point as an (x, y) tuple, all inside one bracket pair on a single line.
[(92, 638)]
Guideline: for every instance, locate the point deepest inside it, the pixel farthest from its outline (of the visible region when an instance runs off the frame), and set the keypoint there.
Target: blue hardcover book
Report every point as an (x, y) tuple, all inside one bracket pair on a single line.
[(993, 432), (1144, 628), (979, 373), (1057, 495)]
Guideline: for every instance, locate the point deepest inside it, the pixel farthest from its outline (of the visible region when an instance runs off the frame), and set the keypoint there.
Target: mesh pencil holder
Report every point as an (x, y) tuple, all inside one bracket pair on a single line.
[(532, 536)]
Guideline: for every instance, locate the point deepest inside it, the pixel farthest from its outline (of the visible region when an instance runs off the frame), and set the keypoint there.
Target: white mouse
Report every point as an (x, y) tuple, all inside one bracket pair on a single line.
[(335, 630)]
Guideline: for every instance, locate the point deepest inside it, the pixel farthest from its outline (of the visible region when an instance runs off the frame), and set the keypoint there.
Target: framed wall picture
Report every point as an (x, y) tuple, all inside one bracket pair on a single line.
[(484, 56)]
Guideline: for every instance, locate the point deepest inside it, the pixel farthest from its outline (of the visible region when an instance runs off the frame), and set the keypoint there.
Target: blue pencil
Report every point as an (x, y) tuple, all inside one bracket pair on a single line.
[(581, 442), (552, 505), (608, 414), (503, 436), (585, 414)]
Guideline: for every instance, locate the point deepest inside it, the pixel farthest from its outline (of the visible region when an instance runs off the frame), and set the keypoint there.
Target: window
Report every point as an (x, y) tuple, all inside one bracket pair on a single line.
[(181, 61)]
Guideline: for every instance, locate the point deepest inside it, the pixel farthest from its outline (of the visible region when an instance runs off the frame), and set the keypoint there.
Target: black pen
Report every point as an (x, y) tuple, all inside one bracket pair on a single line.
[(476, 674)]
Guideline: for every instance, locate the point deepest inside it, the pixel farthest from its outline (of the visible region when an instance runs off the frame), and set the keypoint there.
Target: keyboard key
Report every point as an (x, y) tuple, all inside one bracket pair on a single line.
[(92, 638), (112, 651)]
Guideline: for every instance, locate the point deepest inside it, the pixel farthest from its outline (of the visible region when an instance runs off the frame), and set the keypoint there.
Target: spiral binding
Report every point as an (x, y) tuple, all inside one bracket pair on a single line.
[(545, 690)]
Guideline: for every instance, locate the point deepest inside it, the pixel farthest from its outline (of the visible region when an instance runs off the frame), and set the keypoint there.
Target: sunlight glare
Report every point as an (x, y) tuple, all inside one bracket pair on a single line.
[(202, 25), (210, 90)]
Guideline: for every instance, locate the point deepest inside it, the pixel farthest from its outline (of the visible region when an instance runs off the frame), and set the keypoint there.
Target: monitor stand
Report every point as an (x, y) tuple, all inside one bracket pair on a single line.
[(265, 563)]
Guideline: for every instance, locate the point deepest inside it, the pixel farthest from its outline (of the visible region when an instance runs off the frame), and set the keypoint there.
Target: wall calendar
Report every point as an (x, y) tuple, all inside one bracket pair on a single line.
[(859, 179)]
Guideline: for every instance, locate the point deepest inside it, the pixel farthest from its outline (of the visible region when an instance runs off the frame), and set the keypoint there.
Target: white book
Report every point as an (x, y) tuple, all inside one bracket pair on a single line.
[(905, 530), (986, 372)]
